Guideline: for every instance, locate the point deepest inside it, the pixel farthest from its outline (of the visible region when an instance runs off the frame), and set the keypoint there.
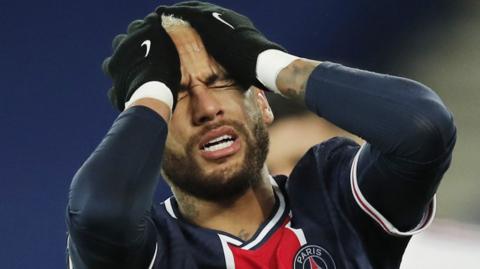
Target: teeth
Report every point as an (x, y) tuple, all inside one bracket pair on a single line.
[(219, 146), (219, 138)]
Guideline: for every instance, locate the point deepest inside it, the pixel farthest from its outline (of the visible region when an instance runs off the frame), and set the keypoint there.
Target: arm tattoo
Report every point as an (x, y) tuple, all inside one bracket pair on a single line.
[(292, 80)]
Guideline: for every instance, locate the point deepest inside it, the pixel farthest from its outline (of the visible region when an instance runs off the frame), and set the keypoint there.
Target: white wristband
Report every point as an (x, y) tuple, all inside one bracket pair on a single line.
[(269, 64), (152, 89)]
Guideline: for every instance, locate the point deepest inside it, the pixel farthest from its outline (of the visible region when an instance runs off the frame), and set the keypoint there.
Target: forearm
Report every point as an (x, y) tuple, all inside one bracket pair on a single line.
[(409, 131), (292, 80), (111, 194), (395, 115)]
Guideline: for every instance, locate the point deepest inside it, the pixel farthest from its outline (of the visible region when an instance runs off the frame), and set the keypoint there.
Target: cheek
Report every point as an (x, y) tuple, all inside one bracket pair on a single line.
[(177, 134), (172, 144), (252, 112), (236, 104), (180, 119), (250, 107)]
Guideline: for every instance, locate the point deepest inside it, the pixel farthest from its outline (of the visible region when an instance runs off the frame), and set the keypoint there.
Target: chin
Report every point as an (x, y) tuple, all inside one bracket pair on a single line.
[(225, 169), (219, 179)]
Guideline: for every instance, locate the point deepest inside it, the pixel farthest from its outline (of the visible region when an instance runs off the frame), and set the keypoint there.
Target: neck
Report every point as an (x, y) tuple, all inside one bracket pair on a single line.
[(241, 217)]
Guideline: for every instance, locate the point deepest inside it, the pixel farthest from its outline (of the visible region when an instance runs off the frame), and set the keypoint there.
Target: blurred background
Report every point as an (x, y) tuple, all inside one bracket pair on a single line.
[(54, 109)]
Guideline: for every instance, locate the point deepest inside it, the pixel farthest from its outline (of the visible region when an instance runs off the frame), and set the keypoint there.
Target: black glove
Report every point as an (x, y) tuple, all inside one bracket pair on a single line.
[(229, 37), (146, 53)]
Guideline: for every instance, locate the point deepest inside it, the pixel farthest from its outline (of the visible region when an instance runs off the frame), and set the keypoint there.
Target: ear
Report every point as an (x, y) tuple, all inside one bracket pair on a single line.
[(264, 106)]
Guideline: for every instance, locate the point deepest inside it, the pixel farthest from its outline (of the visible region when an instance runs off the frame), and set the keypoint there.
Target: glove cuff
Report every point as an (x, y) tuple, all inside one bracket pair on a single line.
[(152, 89), (269, 64)]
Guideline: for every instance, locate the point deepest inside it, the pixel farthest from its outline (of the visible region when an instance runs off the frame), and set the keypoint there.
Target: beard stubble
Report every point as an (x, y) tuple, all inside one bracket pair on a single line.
[(184, 172)]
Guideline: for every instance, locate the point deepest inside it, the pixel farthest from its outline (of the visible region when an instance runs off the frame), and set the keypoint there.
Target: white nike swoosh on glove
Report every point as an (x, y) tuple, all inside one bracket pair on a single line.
[(147, 43), (216, 15)]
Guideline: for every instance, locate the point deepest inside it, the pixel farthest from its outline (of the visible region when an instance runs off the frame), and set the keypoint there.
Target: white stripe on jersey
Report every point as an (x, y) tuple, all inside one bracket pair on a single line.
[(377, 216), (271, 223), (168, 206), (299, 233), (227, 252), (154, 257), (70, 263)]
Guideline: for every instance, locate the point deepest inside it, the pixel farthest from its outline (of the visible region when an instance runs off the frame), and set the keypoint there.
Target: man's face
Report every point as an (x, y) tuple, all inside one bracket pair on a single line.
[(217, 142)]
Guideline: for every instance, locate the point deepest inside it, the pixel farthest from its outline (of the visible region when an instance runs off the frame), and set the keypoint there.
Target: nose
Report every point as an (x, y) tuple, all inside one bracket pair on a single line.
[(205, 105)]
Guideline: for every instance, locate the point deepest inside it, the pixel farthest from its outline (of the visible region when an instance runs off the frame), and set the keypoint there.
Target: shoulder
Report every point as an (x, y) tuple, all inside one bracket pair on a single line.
[(333, 152), (324, 170)]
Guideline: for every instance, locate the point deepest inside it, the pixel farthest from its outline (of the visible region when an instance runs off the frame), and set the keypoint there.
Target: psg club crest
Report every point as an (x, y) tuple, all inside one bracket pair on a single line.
[(313, 257)]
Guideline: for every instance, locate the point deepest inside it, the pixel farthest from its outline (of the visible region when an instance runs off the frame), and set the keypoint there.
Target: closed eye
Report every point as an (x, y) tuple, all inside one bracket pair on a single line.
[(219, 81), (225, 85), (213, 81), (221, 85)]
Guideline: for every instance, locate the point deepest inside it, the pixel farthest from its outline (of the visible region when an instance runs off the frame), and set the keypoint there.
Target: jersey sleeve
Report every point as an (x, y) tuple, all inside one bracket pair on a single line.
[(110, 202), (386, 197), (321, 194), (410, 137)]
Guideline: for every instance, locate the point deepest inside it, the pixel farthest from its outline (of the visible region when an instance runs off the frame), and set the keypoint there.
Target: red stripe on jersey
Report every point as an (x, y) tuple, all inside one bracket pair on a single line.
[(277, 252)]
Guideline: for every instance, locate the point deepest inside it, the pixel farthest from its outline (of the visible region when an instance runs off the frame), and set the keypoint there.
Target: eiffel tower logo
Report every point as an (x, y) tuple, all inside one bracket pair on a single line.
[(313, 264), (313, 257)]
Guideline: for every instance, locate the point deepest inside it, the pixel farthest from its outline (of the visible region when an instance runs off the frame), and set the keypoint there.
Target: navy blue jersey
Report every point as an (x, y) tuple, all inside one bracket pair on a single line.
[(317, 223), (320, 220), (343, 206)]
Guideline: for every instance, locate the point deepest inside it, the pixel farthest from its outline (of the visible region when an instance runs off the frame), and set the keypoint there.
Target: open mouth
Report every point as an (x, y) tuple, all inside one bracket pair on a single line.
[(219, 143)]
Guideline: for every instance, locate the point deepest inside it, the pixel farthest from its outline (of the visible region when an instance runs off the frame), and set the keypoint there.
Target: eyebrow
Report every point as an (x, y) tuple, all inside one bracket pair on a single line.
[(210, 80), (213, 78)]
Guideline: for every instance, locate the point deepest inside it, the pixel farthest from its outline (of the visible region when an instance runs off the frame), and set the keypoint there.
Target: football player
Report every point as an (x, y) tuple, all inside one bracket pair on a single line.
[(193, 107)]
